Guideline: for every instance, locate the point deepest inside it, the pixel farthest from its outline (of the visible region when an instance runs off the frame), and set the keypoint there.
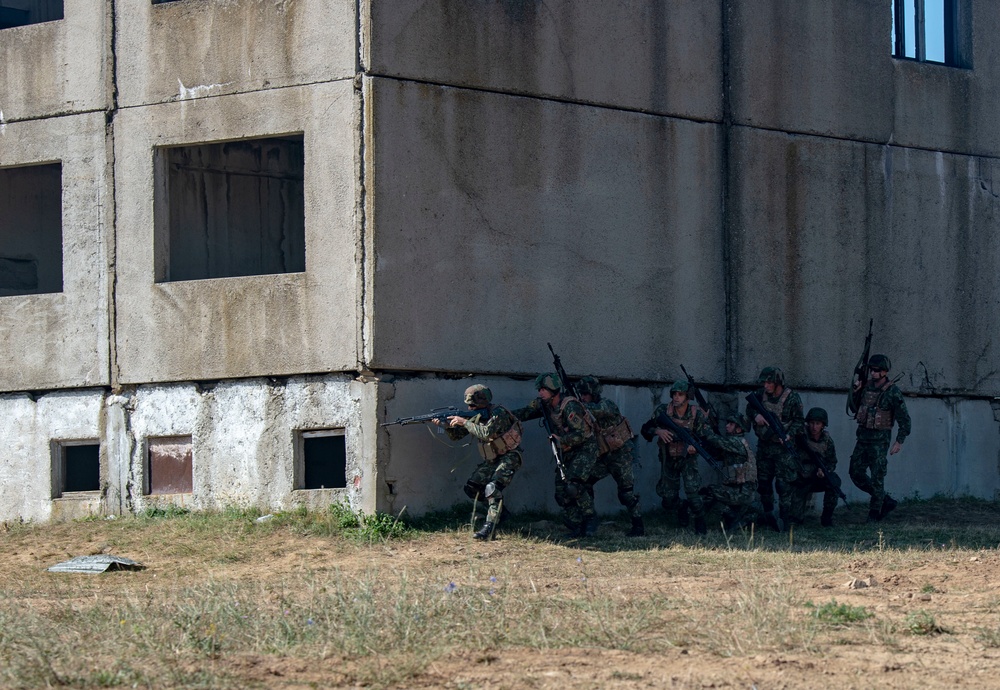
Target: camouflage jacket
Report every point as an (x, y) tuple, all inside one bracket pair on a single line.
[(489, 424), (824, 448), (791, 417), (738, 461), (569, 421), (891, 400), (605, 412), (699, 427)]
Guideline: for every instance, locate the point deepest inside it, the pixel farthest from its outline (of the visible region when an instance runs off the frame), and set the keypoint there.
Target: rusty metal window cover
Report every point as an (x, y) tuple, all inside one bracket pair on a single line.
[(928, 31), (169, 466), (76, 467), (321, 459)]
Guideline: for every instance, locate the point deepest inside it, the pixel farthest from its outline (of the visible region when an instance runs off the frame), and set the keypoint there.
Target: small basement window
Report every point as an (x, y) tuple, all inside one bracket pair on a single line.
[(23, 12), (321, 462), (76, 467), (169, 469), (31, 230), (230, 209), (932, 31)]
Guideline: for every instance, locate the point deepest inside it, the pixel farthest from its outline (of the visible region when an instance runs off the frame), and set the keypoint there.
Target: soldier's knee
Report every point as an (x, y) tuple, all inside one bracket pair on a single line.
[(473, 489), (627, 497), (493, 492)]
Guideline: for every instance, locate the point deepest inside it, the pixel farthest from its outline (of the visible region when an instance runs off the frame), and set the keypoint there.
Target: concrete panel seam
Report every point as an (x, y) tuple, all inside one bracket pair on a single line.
[(209, 97)]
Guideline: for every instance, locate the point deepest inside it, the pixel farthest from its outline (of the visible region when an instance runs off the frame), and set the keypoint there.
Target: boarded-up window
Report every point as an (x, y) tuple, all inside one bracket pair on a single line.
[(76, 466), (23, 12), (230, 209), (31, 229), (322, 460), (170, 465)]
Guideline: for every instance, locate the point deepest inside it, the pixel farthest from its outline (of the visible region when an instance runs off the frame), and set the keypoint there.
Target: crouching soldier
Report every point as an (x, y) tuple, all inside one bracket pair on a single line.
[(572, 432), (615, 447), (678, 461), (814, 444), (499, 436), (738, 490)]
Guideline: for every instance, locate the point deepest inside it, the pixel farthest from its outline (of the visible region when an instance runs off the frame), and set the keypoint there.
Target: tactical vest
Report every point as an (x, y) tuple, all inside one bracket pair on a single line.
[(870, 415), (504, 443), (559, 421), (774, 408), (743, 472), (613, 437), (678, 449)]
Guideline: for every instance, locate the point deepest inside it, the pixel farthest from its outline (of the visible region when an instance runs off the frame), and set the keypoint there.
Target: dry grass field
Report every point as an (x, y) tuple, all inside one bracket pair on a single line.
[(316, 600)]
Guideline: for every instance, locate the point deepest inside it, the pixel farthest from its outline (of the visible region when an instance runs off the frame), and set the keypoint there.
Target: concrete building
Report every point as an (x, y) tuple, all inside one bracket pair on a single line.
[(237, 235)]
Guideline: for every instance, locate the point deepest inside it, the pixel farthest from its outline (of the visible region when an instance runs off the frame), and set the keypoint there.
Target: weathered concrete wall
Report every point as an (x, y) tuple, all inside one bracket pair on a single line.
[(26, 437), (197, 48), (249, 326), (526, 221), (654, 56), (954, 448), (826, 234), (60, 340), (57, 67)]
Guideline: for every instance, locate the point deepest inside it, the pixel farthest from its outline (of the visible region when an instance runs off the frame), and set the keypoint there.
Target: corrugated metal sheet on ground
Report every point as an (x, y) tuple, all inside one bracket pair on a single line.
[(96, 564)]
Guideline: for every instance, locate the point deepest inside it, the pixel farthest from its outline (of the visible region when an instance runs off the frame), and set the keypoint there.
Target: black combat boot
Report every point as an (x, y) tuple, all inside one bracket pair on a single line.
[(768, 520), (826, 519), (874, 516), (888, 505), (590, 526), (638, 529), (699, 525), (485, 532)]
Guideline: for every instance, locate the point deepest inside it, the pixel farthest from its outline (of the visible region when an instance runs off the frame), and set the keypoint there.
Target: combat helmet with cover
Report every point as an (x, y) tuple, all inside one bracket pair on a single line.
[(478, 395), (589, 385), (680, 386), (818, 414), (880, 362), (771, 375), (549, 381)]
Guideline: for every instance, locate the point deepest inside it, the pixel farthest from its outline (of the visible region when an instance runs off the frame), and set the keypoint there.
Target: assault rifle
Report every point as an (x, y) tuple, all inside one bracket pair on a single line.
[(441, 413), (854, 397), (663, 421), (713, 417), (557, 364), (771, 420)]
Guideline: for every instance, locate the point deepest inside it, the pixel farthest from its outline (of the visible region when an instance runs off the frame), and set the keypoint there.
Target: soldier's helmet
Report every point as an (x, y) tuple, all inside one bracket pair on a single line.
[(478, 395), (550, 381), (680, 385), (738, 419), (589, 385), (879, 362), (818, 414), (772, 375)]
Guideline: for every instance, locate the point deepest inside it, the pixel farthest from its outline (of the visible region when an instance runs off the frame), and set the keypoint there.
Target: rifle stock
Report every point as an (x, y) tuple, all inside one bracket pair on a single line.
[(713, 417)]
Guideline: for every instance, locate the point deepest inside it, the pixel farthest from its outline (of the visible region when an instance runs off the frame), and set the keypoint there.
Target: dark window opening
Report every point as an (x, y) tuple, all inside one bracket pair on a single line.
[(170, 466), (323, 460), (31, 230), (930, 31), (23, 12), (76, 467), (160, 2), (230, 209)]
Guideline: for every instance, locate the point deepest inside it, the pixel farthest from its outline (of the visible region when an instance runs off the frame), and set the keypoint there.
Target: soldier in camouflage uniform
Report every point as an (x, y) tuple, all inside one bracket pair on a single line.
[(679, 463), (738, 490), (615, 446), (499, 436), (816, 441), (574, 433), (775, 465), (882, 405)]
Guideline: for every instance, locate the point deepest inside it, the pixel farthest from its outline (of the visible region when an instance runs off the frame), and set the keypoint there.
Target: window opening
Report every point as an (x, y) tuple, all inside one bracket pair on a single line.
[(927, 30), (169, 466), (322, 460), (230, 209), (31, 230), (15, 13), (76, 467)]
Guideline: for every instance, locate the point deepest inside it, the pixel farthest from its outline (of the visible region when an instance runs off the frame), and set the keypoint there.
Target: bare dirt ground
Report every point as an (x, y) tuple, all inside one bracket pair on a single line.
[(911, 602)]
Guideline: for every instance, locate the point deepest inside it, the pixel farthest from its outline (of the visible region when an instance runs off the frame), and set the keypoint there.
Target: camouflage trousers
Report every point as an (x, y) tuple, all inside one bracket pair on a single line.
[(802, 492), (576, 501), (741, 501), (869, 464), (776, 466), (673, 473), (499, 471), (618, 464)]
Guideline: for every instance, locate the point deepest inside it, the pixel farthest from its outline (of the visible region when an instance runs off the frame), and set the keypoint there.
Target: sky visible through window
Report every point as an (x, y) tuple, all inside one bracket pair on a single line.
[(933, 29)]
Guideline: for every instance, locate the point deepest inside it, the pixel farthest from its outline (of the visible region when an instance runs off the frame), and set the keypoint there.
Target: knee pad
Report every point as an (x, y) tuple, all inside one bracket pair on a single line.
[(627, 498), (473, 490), (493, 492)]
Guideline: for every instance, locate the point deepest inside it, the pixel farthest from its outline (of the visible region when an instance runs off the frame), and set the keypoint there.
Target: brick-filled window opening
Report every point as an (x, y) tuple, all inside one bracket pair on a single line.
[(322, 460), (931, 31), (230, 209), (31, 257), (15, 13), (76, 467), (169, 468)]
